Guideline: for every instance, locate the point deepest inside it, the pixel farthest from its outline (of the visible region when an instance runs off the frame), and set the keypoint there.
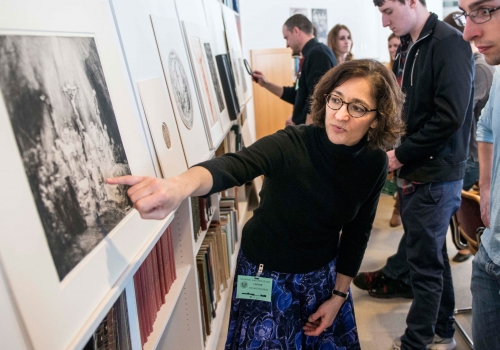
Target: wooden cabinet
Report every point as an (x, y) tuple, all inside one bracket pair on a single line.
[(270, 111)]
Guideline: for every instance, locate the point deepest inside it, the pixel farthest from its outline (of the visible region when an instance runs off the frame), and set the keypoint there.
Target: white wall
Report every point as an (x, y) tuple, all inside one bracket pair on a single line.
[(262, 20)]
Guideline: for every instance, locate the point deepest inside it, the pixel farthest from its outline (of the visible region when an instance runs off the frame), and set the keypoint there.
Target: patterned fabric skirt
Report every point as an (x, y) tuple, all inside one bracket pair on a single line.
[(255, 324)]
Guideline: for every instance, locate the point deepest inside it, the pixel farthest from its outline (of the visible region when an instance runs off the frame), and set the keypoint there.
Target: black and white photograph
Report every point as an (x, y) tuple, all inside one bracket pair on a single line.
[(63, 121), (182, 95), (215, 78), (319, 20), (299, 11)]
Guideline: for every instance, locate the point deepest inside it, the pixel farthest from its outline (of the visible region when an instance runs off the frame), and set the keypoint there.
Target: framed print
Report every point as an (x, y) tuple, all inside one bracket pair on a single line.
[(212, 103), (243, 80), (228, 85), (162, 126), (215, 23), (183, 94), (141, 48), (319, 19), (217, 84), (68, 121)]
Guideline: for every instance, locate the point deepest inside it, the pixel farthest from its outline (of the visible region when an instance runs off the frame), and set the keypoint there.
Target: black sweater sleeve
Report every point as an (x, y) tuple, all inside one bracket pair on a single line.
[(266, 156), (289, 94), (356, 233), (317, 64)]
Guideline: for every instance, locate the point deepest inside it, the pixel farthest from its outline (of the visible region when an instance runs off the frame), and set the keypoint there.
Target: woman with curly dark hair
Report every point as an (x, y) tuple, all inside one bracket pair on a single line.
[(320, 179)]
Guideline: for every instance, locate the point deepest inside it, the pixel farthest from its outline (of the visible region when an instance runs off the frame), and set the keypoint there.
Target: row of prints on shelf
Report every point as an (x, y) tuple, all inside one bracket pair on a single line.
[(69, 119)]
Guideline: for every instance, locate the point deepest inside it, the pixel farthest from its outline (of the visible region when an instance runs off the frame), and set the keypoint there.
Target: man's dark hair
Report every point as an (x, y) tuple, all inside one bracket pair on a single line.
[(451, 21), (301, 22), (379, 3)]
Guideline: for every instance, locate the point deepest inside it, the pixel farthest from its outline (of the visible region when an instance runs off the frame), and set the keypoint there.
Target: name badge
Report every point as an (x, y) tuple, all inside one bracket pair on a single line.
[(254, 288)]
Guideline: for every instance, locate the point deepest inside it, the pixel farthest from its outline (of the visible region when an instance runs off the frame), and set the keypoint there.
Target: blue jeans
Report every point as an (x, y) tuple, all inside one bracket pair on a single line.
[(485, 289), (426, 213)]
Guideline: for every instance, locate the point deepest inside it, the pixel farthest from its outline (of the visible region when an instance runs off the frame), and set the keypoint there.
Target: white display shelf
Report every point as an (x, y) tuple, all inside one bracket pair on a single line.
[(100, 312), (163, 316)]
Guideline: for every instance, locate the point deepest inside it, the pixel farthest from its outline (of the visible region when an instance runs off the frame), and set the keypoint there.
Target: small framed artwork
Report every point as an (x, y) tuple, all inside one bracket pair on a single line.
[(206, 78), (243, 80), (162, 126), (181, 87)]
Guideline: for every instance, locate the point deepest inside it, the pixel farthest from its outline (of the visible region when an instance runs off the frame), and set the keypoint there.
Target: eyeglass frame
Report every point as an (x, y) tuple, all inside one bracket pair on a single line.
[(464, 14), (326, 96)]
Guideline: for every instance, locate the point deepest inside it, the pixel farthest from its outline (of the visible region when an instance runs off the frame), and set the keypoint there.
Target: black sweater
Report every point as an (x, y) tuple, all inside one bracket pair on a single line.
[(438, 83), (312, 190)]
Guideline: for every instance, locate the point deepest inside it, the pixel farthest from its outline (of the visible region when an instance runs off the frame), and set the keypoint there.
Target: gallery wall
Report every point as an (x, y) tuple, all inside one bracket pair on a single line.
[(262, 20)]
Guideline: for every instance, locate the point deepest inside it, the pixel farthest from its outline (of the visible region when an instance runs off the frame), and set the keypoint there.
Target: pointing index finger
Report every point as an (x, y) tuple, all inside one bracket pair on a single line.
[(124, 180)]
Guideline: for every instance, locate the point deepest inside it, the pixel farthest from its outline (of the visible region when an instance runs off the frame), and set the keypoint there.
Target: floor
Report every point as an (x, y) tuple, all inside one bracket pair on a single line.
[(379, 321)]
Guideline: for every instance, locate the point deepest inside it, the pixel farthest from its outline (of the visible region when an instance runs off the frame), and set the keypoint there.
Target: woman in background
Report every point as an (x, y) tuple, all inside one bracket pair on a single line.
[(340, 41), (393, 43)]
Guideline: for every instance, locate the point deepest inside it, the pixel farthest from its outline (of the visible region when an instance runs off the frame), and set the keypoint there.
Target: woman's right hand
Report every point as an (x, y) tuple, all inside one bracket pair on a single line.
[(154, 198)]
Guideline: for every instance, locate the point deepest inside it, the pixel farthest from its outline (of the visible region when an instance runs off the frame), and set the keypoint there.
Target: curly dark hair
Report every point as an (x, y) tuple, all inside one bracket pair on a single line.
[(386, 92)]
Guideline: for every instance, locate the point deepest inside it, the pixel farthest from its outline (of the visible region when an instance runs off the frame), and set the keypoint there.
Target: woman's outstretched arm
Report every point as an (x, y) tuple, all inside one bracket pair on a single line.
[(156, 198)]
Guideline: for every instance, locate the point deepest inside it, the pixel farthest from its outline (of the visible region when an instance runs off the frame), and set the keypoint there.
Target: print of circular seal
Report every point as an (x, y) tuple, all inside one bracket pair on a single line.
[(166, 135), (180, 86), (244, 284)]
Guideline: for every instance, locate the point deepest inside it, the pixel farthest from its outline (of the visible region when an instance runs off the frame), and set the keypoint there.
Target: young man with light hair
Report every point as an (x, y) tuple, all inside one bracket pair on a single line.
[(430, 165), (481, 19)]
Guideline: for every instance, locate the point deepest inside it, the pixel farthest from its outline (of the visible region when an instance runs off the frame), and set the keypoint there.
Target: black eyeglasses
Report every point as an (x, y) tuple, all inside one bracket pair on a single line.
[(355, 109), (476, 16)]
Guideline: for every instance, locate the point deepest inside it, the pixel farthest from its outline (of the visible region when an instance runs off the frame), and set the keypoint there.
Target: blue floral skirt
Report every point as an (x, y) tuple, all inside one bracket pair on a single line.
[(255, 324)]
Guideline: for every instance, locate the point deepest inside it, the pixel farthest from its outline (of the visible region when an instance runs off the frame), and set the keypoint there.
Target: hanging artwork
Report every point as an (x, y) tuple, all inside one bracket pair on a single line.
[(319, 20), (199, 61), (162, 126), (196, 38), (68, 121), (68, 139), (298, 11), (182, 95), (177, 70), (215, 78), (243, 81)]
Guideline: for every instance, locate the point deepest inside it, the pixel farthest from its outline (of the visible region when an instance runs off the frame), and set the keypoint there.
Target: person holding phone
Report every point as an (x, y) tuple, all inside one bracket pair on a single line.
[(316, 60)]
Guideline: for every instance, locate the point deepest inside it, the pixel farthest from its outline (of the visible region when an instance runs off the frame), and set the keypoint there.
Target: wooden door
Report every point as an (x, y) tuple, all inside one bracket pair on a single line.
[(270, 111)]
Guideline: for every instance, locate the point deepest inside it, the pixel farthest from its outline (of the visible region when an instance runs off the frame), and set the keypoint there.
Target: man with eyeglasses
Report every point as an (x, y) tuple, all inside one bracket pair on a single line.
[(482, 26), (435, 68)]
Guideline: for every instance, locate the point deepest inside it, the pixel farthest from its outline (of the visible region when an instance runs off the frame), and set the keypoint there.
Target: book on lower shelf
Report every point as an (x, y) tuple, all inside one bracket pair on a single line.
[(113, 333), (202, 212), (152, 282), (213, 265)]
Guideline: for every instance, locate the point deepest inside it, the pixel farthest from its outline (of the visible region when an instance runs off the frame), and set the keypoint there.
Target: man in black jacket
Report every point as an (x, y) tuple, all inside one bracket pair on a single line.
[(317, 60), (430, 164)]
